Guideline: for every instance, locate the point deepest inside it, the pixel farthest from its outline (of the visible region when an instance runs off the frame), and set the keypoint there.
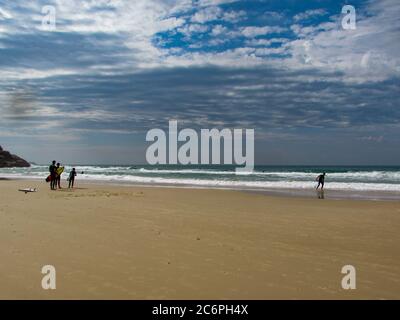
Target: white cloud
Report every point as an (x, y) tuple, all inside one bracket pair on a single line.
[(190, 29), (252, 32), (233, 16), (269, 51), (30, 73), (308, 14), (204, 3), (218, 30), (265, 42), (207, 15), (369, 53), (4, 14)]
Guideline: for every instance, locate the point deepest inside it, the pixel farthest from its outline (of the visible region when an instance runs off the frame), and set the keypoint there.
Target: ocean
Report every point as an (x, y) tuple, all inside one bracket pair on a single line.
[(375, 181)]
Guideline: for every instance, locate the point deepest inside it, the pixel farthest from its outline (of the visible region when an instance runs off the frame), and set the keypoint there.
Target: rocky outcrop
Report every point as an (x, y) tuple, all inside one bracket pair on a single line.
[(8, 160)]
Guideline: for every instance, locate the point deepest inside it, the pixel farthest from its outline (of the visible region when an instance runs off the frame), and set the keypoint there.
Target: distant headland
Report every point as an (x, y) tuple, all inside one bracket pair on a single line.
[(8, 160)]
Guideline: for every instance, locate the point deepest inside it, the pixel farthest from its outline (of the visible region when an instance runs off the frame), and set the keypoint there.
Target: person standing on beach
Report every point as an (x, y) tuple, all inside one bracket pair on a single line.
[(71, 178), (321, 181), (53, 175), (58, 176)]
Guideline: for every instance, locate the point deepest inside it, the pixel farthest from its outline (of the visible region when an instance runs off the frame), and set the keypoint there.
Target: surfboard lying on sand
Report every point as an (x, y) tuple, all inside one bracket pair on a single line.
[(27, 190)]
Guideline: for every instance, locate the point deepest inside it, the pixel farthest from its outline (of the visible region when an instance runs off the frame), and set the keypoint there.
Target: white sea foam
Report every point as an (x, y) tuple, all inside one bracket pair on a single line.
[(219, 183), (392, 175), (368, 176), (248, 184)]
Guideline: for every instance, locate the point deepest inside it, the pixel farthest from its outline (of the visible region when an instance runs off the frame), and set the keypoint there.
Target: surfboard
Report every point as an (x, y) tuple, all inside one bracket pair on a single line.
[(60, 170), (27, 190), (48, 179)]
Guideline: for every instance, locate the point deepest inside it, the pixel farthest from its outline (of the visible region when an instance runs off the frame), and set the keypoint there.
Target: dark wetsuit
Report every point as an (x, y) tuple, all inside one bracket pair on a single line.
[(71, 179), (53, 175), (321, 181)]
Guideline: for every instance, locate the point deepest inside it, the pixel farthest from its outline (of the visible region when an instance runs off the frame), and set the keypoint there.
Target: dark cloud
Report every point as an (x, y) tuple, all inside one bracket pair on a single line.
[(21, 103), (48, 50), (262, 98)]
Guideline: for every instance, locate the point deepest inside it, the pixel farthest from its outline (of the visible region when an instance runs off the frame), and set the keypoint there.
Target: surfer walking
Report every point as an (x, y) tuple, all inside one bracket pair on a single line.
[(71, 178), (53, 175), (321, 181)]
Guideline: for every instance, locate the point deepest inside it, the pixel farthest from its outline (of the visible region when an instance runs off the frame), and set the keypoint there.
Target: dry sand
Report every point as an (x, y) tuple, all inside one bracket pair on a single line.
[(157, 243)]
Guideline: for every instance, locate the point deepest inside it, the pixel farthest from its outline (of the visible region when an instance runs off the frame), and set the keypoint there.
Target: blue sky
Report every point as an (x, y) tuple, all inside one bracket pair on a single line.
[(89, 91)]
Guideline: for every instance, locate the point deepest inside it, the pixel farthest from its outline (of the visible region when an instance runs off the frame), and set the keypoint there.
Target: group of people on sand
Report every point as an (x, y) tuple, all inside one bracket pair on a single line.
[(55, 176)]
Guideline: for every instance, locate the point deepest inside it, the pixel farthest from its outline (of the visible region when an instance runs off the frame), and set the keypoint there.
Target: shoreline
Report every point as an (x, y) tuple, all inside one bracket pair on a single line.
[(332, 194)]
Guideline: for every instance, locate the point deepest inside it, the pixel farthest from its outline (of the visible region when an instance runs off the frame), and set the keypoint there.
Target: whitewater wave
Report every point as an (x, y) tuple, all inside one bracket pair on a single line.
[(371, 175), (226, 183), (356, 176)]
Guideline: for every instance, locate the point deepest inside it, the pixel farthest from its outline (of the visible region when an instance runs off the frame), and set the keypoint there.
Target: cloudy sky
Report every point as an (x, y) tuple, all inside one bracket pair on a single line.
[(88, 91)]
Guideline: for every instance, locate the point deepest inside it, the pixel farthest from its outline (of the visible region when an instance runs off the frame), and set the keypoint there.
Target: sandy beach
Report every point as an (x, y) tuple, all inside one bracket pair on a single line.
[(109, 242)]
